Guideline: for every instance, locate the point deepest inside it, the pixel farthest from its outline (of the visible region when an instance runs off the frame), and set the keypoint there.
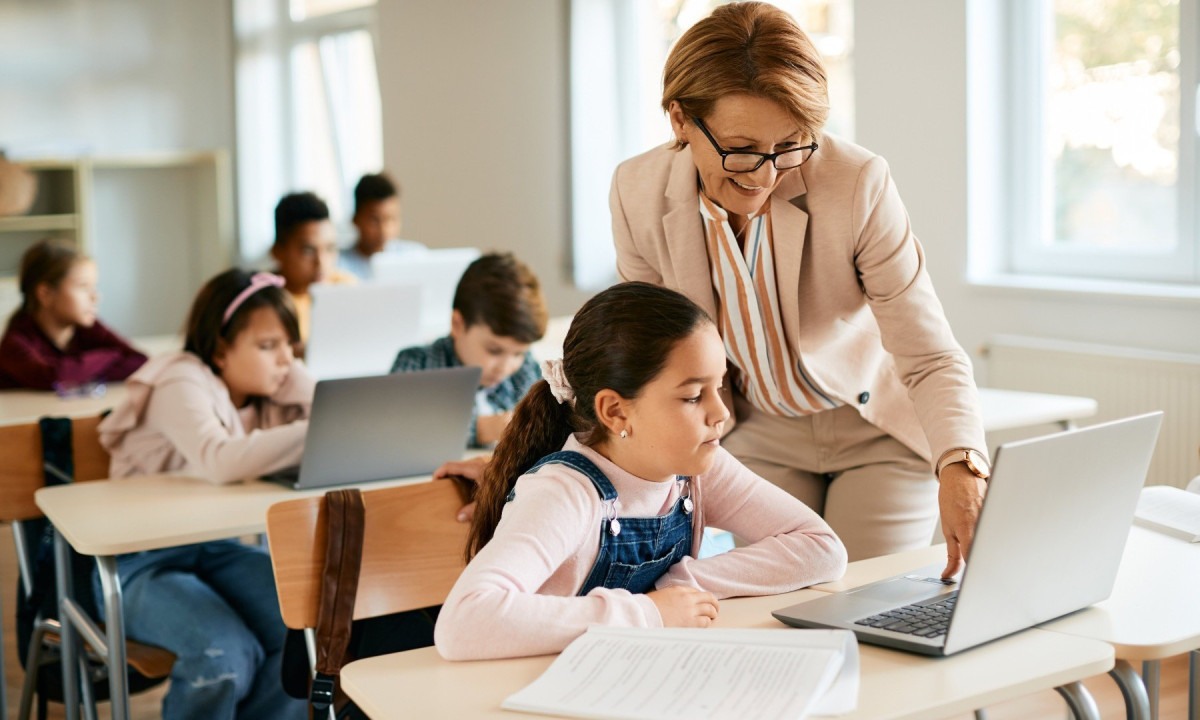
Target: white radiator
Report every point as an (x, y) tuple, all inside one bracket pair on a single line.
[(1123, 381)]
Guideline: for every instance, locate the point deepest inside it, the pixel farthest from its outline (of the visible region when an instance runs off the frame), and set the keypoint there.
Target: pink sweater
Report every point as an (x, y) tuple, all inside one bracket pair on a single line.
[(518, 595), (177, 418)]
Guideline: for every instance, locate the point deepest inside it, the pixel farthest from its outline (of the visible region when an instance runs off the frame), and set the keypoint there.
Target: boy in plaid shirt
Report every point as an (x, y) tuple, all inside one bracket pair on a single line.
[(499, 311)]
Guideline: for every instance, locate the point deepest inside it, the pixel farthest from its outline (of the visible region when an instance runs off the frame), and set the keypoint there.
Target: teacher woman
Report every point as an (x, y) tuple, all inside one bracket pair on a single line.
[(848, 387)]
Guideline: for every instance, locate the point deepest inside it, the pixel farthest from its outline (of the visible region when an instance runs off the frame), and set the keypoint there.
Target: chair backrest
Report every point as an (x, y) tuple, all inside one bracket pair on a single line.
[(412, 551), (21, 473)]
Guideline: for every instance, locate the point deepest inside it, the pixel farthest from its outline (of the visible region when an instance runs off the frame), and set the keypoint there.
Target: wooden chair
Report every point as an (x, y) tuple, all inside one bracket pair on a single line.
[(412, 552), (21, 475)]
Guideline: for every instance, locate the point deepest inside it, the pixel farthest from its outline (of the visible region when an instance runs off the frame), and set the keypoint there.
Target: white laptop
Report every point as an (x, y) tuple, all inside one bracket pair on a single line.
[(436, 272), (356, 330), (1049, 542), (383, 427)]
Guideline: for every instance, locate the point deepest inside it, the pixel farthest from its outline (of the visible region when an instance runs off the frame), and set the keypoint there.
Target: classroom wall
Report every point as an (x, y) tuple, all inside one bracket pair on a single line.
[(912, 84), (475, 104), (120, 78), (475, 126)]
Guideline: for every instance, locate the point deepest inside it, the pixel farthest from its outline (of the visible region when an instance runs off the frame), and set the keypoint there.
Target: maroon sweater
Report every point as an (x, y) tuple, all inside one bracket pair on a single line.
[(95, 354)]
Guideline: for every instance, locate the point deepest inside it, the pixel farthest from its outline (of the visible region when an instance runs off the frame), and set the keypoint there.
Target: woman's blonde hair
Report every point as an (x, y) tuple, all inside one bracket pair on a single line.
[(750, 48)]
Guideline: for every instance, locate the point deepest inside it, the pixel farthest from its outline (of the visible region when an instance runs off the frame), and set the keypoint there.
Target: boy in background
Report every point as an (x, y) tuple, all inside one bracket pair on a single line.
[(499, 311), (306, 250), (377, 220)]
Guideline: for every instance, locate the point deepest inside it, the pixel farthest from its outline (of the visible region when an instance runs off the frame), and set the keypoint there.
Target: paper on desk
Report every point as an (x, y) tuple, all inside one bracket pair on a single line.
[(1170, 510), (634, 673)]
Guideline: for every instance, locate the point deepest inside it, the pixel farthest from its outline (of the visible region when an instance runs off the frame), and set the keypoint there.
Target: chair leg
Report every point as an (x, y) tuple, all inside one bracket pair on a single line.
[(43, 707), (33, 661), (89, 700)]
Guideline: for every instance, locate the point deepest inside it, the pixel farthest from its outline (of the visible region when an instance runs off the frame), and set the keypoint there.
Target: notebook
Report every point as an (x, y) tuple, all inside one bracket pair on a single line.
[(383, 427), (1170, 510), (1049, 541), (356, 330), (435, 272), (652, 673)]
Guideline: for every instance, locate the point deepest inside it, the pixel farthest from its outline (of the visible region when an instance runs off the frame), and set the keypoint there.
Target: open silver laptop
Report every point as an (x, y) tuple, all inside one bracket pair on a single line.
[(436, 272), (358, 329), (1049, 541), (389, 426)]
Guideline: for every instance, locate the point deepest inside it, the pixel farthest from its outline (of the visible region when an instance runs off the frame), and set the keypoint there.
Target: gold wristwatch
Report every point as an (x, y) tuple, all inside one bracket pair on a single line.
[(974, 460)]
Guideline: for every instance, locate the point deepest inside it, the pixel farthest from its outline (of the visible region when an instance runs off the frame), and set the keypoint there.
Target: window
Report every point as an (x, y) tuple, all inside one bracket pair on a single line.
[(1102, 179), (618, 48), (308, 109)]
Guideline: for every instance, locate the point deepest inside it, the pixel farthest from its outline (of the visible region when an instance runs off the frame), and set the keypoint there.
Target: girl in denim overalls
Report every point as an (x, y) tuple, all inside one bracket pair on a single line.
[(592, 509)]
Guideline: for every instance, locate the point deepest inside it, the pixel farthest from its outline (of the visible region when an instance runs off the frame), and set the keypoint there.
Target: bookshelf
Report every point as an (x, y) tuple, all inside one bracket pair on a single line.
[(157, 224)]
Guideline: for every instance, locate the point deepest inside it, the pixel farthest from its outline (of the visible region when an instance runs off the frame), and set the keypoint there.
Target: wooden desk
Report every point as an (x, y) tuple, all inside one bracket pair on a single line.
[(1010, 409), (108, 518), (894, 684), (18, 407)]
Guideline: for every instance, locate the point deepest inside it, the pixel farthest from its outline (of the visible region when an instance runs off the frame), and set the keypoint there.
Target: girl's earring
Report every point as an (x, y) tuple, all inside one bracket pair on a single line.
[(624, 434)]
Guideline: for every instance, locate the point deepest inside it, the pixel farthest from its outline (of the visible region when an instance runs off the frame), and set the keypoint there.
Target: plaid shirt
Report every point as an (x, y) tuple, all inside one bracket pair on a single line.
[(502, 398)]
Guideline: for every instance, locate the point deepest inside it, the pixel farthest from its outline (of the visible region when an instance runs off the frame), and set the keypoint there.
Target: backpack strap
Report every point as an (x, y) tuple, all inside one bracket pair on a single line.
[(344, 526), (58, 457), (58, 468)]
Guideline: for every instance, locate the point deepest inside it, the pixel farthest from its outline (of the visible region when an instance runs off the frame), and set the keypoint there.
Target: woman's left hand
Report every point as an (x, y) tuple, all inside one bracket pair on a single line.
[(960, 497)]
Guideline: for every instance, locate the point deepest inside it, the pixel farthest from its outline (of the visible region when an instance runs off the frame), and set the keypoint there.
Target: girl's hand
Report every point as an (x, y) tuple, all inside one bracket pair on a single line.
[(682, 606)]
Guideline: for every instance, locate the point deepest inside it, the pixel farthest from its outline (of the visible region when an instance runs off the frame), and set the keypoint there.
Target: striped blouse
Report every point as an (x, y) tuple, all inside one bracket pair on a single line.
[(771, 374)]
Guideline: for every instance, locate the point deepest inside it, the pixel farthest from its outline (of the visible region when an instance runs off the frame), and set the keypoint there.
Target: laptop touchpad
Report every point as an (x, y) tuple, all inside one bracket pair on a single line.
[(901, 590)]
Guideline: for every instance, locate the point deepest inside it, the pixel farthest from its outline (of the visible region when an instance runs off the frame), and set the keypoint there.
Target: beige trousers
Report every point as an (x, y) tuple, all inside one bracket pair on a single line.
[(878, 495)]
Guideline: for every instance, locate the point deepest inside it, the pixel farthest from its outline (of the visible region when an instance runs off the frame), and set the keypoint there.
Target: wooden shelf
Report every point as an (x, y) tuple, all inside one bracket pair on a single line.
[(34, 223)]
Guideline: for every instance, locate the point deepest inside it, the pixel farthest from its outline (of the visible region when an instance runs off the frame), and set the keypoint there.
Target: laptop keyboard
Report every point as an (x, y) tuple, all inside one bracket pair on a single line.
[(928, 619)]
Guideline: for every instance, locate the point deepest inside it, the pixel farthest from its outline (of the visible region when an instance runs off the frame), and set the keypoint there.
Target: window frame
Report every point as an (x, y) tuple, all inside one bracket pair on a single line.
[(280, 41), (1029, 169)]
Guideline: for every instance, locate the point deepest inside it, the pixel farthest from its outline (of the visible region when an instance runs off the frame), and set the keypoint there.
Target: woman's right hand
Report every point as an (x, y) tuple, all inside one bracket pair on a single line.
[(469, 470), (682, 606)]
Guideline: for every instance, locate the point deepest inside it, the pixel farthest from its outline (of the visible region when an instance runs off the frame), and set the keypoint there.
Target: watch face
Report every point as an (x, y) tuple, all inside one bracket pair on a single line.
[(978, 465)]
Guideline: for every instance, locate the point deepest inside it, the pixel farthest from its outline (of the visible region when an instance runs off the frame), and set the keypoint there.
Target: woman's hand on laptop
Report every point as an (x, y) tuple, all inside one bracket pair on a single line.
[(960, 497), (470, 470)]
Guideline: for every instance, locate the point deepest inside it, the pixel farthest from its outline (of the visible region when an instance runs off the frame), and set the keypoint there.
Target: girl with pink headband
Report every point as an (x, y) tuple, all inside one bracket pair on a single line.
[(233, 404)]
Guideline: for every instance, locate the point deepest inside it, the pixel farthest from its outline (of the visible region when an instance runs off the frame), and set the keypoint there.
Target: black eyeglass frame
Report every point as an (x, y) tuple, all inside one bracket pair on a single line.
[(762, 157)]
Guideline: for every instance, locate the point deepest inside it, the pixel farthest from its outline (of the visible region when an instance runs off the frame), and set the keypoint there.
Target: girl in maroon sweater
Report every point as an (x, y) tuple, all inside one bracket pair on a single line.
[(54, 341)]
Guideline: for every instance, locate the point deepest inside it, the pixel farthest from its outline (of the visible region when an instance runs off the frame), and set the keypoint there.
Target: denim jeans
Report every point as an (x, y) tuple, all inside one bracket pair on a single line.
[(214, 605)]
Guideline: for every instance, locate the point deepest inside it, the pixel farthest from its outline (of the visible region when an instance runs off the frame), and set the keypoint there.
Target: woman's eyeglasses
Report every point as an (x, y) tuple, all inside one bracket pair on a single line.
[(742, 161)]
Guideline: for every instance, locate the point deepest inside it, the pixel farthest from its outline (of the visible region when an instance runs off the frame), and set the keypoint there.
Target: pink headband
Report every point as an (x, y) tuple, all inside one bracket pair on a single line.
[(258, 282)]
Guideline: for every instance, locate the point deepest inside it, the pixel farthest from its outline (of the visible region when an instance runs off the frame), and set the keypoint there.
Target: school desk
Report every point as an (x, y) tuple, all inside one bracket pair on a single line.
[(107, 518), (1153, 613), (18, 407), (894, 684)]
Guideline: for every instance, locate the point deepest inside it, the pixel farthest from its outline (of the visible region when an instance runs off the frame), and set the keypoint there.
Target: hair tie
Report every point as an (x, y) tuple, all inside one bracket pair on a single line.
[(257, 282), (556, 378)]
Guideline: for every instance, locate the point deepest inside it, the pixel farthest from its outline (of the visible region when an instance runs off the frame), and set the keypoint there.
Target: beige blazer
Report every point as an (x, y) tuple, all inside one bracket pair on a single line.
[(858, 304)]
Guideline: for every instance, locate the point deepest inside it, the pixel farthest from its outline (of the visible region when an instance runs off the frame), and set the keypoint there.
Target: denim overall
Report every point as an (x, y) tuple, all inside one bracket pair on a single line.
[(634, 552)]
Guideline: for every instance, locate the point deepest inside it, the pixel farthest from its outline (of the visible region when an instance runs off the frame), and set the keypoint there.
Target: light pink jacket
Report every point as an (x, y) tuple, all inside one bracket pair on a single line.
[(518, 596), (857, 303), (178, 418)]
